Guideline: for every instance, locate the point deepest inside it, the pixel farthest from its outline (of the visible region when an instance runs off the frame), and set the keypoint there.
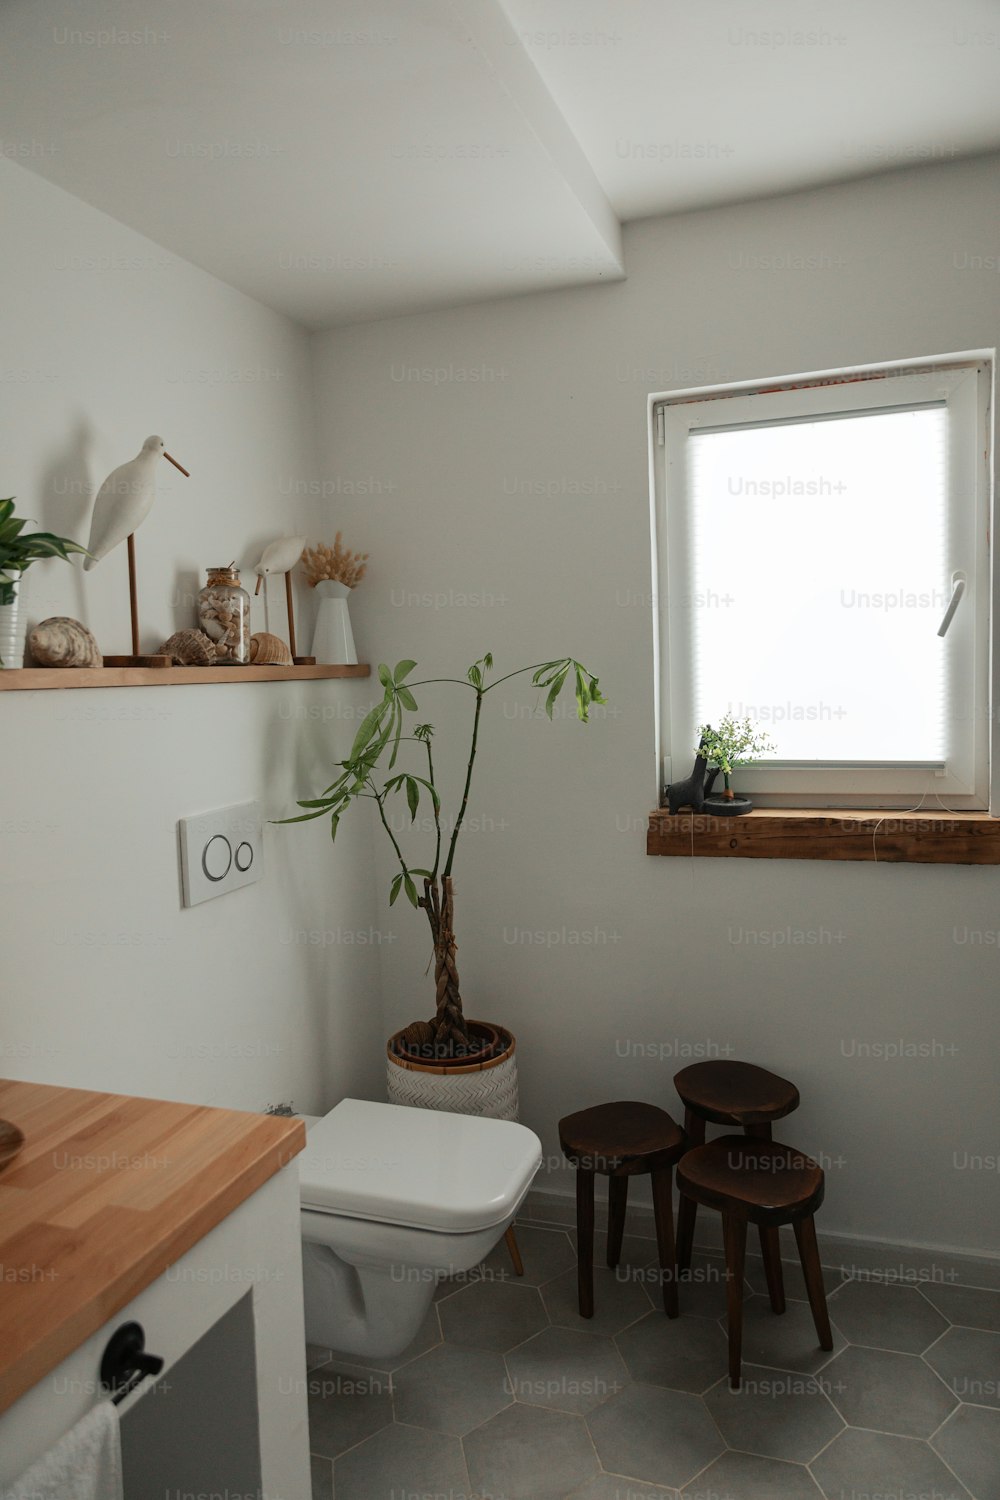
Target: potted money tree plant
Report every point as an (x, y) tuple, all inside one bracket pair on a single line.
[(449, 1061)]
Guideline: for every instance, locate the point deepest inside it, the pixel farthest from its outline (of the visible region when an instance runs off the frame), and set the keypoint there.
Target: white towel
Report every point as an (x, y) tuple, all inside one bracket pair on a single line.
[(86, 1464)]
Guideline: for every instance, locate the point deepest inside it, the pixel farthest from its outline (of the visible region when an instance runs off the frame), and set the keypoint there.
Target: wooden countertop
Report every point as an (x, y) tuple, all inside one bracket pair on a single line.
[(107, 1192)]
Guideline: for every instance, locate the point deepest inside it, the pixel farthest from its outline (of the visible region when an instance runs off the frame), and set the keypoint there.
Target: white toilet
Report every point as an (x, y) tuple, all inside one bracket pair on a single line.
[(393, 1201)]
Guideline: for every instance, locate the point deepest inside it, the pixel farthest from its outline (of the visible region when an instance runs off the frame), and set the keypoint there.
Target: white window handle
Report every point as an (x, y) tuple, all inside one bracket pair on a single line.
[(958, 582)]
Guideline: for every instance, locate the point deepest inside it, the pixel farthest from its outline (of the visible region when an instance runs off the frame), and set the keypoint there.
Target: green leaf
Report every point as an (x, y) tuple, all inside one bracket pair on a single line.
[(555, 689), (403, 670), (475, 676), (334, 825), (369, 724), (384, 676), (394, 889), (397, 714), (412, 796), (411, 890), (303, 818), (427, 873), (407, 699), (431, 788)]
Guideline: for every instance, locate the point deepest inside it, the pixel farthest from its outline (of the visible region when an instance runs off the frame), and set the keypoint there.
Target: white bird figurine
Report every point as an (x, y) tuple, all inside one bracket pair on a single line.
[(279, 556), (125, 500)]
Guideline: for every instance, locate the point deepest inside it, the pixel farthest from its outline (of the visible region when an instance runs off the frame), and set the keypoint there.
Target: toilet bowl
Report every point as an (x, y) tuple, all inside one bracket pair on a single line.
[(393, 1201)]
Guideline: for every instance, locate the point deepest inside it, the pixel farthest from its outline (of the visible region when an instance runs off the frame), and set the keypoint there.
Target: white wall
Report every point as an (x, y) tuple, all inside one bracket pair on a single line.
[(510, 498), (266, 994)]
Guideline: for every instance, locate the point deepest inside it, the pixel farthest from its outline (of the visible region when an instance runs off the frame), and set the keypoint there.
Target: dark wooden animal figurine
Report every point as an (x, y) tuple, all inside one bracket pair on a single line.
[(693, 791)]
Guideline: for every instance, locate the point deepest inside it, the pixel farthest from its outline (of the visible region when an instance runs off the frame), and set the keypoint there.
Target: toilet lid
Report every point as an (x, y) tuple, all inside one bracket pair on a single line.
[(419, 1167)]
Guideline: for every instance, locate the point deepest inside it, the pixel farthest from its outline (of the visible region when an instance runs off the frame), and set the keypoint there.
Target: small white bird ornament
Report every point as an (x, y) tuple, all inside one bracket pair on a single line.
[(123, 502), (280, 556)]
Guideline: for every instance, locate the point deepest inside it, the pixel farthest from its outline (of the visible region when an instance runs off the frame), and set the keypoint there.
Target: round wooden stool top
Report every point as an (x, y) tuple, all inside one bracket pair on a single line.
[(735, 1093), (621, 1139), (765, 1181)]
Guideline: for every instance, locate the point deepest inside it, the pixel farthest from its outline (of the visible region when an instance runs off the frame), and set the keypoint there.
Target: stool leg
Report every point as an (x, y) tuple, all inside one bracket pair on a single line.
[(805, 1238), (617, 1203), (734, 1232), (694, 1129), (770, 1249), (663, 1213), (770, 1244), (585, 1241), (510, 1239)]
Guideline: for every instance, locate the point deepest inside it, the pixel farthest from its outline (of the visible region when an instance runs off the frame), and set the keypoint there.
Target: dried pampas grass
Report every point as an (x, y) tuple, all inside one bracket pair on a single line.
[(335, 563)]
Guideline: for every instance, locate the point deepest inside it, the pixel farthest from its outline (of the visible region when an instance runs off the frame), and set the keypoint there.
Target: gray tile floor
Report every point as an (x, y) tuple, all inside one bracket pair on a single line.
[(507, 1393)]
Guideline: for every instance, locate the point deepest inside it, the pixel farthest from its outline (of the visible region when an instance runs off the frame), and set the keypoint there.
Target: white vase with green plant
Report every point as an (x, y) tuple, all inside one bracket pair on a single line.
[(18, 550)]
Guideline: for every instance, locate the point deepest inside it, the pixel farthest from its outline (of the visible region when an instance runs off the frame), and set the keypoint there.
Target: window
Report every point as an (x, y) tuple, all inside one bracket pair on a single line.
[(821, 546)]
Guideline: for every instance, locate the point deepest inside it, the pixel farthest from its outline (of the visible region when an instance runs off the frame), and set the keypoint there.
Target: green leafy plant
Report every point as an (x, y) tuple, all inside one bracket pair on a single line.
[(18, 550), (378, 740), (736, 742)]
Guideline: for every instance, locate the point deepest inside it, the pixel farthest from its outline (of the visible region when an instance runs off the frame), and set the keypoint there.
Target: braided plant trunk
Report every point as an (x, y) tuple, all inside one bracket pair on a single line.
[(448, 1026)]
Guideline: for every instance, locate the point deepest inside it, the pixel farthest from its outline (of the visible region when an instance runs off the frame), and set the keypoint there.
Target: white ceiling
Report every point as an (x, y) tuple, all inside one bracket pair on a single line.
[(349, 159)]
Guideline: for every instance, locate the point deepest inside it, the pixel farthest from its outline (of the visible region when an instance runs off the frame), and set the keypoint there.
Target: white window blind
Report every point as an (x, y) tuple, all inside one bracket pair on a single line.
[(826, 541)]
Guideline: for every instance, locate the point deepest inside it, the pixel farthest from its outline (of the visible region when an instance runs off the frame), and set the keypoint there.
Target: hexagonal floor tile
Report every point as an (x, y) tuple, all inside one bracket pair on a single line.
[(619, 1487), (664, 1437), (968, 1362), (785, 1341), (566, 1370), (969, 1443), (545, 1252), (401, 1460), (967, 1306), (885, 1317), (529, 1454), (888, 1392), (701, 1289), (618, 1301), (870, 1463), (345, 1409), (791, 1274), (751, 1478), (492, 1315), (686, 1353), (452, 1389), (775, 1414)]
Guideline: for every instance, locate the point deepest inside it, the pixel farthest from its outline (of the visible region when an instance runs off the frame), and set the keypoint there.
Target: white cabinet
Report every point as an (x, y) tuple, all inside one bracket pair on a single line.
[(226, 1319)]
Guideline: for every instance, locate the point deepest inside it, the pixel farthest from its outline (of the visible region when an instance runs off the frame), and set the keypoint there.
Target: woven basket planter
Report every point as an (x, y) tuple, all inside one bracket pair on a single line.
[(488, 1089)]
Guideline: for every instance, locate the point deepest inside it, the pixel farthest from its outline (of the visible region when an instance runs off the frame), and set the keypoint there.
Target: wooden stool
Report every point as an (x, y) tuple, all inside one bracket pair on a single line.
[(622, 1140), (741, 1094), (765, 1183)]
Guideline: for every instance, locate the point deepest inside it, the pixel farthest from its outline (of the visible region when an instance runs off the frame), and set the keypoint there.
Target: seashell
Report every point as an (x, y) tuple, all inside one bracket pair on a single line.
[(189, 648), (63, 642), (269, 650)]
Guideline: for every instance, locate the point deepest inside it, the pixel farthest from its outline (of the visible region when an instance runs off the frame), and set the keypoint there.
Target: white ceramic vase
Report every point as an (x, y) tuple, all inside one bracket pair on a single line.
[(13, 621), (333, 639)]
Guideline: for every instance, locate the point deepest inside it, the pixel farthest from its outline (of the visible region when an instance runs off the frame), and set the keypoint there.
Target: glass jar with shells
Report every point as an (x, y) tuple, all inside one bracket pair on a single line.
[(224, 616)]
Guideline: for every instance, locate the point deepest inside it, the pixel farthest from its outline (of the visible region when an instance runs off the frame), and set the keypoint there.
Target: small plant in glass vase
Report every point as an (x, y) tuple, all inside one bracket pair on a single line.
[(736, 742)]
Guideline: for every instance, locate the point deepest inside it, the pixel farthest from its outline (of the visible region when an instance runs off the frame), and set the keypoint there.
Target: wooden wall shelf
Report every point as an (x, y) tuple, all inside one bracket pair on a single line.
[(42, 679), (890, 837)]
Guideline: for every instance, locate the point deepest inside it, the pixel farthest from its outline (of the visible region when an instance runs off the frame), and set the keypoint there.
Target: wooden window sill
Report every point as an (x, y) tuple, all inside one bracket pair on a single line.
[(926, 838), (39, 679)]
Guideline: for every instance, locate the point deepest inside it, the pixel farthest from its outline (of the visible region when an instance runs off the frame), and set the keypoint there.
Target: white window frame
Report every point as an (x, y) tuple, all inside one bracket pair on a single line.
[(965, 382)]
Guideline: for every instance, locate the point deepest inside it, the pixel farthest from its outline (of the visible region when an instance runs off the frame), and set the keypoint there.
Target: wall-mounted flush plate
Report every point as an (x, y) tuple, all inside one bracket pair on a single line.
[(220, 851)]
